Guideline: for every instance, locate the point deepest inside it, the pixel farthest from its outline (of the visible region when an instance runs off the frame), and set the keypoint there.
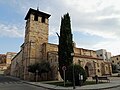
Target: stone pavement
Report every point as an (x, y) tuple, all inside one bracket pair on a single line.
[(114, 82)]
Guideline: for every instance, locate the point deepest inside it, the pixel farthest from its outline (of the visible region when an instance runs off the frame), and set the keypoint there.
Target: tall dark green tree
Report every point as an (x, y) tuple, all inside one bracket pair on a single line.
[(65, 47)]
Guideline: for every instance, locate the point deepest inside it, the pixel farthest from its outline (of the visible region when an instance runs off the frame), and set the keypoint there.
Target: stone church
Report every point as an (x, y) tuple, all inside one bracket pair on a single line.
[(36, 49)]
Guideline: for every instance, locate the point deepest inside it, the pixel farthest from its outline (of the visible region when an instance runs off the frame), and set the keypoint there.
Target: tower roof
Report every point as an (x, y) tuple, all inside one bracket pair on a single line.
[(33, 11)]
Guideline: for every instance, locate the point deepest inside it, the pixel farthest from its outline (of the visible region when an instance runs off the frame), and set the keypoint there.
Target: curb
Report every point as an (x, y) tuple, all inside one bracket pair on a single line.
[(70, 89), (109, 87), (102, 88)]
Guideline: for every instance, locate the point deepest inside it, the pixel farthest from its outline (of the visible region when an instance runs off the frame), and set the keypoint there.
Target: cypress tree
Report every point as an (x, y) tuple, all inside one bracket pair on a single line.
[(65, 47)]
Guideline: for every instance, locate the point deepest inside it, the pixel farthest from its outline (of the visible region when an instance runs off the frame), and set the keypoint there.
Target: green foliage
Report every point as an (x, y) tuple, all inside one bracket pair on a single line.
[(77, 70), (32, 68), (43, 67), (115, 68), (65, 47)]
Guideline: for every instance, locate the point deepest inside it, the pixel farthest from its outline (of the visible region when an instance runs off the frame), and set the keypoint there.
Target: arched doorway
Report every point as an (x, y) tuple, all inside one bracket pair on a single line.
[(89, 69)]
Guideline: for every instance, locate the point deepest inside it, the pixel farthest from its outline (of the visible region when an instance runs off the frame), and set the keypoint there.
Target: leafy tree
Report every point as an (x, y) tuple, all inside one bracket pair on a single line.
[(33, 67), (78, 70), (115, 68), (43, 67), (65, 47)]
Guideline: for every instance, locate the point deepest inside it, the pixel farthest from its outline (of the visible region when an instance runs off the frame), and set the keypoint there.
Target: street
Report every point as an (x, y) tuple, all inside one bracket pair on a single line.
[(116, 88), (7, 83)]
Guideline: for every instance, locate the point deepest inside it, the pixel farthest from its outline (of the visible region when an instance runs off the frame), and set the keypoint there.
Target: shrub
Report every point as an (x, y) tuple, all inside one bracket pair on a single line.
[(77, 70)]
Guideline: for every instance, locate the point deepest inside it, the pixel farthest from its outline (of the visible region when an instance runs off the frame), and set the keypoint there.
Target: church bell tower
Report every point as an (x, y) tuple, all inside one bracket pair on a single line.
[(36, 33)]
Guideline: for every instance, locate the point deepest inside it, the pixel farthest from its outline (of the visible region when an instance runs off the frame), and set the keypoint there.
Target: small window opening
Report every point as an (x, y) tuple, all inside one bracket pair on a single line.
[(79, 62), (98, 70), (36, 17), (43, 19)]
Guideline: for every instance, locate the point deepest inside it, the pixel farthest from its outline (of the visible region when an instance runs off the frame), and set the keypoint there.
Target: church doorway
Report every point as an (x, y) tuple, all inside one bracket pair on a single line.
[(89, 69)]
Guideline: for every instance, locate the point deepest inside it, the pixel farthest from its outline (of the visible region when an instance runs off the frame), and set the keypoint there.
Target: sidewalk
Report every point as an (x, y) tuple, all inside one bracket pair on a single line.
[(115, 82)]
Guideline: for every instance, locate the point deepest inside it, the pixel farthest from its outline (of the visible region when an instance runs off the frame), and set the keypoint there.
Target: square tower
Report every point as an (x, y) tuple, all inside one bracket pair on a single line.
[(36, 33), (37, 26)]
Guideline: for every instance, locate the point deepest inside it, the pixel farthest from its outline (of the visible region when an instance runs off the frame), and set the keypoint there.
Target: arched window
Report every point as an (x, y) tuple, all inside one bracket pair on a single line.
[(51, 60), (98, 70), (79, 62)]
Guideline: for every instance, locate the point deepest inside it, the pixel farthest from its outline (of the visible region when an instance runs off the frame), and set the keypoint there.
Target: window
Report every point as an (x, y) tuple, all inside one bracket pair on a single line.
[(106, 68), (98, 64), (117, 58), (36, 17), (51, 60), (98, 70), (112, 61), (118, 63), (100, 54), (43, 19), (79, 62)]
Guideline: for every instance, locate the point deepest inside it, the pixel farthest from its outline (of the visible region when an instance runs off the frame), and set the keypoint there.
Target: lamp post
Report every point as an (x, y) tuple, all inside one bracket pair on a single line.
[(36, 75), (64, 68), (72, 54)]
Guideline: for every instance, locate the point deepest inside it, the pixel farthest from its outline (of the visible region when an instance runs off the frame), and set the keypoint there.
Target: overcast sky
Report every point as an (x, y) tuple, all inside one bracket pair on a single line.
[(95, 23)]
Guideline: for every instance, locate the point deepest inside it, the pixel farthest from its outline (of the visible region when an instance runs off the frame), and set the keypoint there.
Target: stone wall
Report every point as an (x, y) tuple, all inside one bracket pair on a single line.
[(16, 65), (94, 65)]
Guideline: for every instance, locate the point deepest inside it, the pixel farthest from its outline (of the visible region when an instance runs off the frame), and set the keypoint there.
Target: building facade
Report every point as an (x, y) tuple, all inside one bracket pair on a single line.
[(9, 57), (17, 69), (37, 49), (2, 58), (5, 61), (116, 60), (103, 54), (116, 63), (2, 63), (86, 58)]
